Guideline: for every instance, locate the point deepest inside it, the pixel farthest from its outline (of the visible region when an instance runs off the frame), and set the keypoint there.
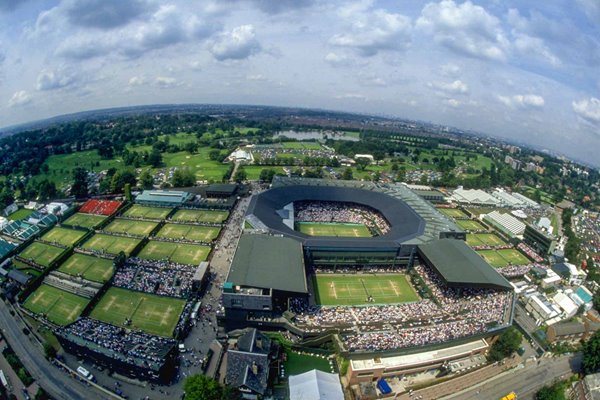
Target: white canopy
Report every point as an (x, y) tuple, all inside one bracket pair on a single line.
[(315, 385)]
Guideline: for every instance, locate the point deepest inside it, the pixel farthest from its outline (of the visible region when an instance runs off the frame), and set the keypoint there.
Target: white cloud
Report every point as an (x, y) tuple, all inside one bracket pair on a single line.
[(256, 77), (373, 31), (529, 46), (523, 101), (453, 103), (466, 29), (338, 60), (137, 81), (352, 96), (456, 87), (166, 82), (20, 98), (55, 79), (589, 110), (238, 44), (104, 14)]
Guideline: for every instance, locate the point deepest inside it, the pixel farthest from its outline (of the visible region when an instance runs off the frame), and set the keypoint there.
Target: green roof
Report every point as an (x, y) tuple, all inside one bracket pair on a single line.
[(269, 262), (460, 266), (163, 196)]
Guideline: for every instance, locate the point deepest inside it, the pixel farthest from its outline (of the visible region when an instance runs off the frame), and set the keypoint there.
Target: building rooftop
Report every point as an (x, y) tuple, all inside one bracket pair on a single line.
[(163, 196), (315, 385)]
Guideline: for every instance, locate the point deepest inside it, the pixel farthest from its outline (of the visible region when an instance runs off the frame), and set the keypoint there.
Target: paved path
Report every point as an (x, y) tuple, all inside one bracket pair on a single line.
[(13, 380), (54, 381)]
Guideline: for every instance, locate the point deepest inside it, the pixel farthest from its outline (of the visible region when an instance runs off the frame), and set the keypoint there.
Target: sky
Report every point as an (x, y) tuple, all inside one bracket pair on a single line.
[(524, 70)]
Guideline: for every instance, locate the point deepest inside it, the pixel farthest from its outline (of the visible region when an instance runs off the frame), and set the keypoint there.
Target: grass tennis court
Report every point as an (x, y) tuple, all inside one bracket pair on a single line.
[(504, 257), (212, 216), (64, 236), (470, 225), (138, 211), (85, 220), (333, 229), (42, 253), (142, 228), (453, 212), (91, 268), (183, 253), (153, 314), (190, 232), (355, 289), (484, 239), (58, 306), (111, 244)]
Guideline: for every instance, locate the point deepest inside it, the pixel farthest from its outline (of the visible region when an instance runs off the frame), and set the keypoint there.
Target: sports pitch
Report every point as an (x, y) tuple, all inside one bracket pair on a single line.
[(470, 225), (484, 239), (355, 289), (91, 268), (153, 314), (211, 216), (142, 228), (65, 236), (190, 232), (182, 253), (333, 229), (111, 244), (453, 212), (41, 253), (138, 211), (58, 306), (85, 220), (504, 257)]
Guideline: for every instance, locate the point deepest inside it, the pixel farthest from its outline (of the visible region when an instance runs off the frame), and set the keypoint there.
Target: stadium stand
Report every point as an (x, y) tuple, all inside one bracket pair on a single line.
[(100, 207), (20, 230)]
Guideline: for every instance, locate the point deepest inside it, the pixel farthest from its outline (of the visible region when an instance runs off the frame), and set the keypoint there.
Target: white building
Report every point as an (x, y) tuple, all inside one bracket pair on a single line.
[(367, 156), (551, 280), (241, 156), (540, 310), (315, 385), (55, 208), (568, 306), (506, 223), (473, 197)]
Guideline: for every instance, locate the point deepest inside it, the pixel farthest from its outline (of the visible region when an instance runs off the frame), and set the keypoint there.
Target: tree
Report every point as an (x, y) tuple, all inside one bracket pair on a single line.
[(201, 387), (240, 175), (556, 391), (191, 147), (596, 300), (120, 178), (591, 354), (49, 351), (508, 342), (79, 189), (46, 190), (155, 158), (146, 180), (361, 163), (266, 175), (183, 177), (347, 174)]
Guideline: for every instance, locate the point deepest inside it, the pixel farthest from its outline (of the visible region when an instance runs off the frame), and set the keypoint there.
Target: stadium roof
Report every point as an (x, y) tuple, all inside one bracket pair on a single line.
[(269, 262), (163, 196), (315, 385), (460, 266)]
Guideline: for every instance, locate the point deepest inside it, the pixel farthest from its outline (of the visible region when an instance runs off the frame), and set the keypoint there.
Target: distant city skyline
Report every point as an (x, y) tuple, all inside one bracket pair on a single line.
[(510, 69)]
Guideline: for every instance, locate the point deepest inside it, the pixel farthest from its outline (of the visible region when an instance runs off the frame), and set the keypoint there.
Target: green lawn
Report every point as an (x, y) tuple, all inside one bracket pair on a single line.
[(64, 236), (480, 239), (142, 228), (58, 306), (470, 225), (333, 229), (41, 253), (60, 167), (301, 145), (183, 253), (91, 268), (85, 220), (301, 363), (26, 268), (502, 258), (138, 211), (203, 167), (21, 213), (153, 314), (210, 216), (354, 289), (253, 171), (111, 244), (190, 232), (514, 256), (453, 212)]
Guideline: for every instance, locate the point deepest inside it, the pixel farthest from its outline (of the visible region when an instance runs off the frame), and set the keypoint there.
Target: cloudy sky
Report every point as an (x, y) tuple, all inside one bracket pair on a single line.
[(521, 69)]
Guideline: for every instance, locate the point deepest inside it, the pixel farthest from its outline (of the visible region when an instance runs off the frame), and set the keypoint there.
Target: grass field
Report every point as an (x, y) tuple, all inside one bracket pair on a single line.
[(453, 212), (153, 314), (21, 266), (502, 258), (85, 220), (64, 236), (333, 229), (190, 232), (91, 268), (183, 253), (138, 211), (356, 288), (300, 363), (484, 239), (301, 145), (470, 225), (21, 213), (212, 216), (41, 253), (111, 244), (142, 228), (58, 306)]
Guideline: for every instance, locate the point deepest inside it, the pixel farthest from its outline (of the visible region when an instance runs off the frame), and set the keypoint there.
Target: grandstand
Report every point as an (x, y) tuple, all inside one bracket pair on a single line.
[(505, 223), (100, 207), (163, 198), (20, 230), (6, 247)]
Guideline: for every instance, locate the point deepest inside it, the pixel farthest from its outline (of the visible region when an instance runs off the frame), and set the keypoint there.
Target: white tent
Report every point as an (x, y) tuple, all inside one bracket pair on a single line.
[(315, 385)]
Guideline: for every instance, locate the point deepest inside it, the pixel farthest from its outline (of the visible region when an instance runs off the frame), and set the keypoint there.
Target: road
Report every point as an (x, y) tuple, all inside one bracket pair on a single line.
[(54, 381), (525, 382)]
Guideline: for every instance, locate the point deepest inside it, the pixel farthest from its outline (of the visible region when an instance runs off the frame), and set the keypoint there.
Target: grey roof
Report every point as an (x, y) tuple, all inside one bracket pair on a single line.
[(225, 188), (19, 276), (592, 383), (240, 361), (269, 262), (568, 328), (254, 341), (460, 266)]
